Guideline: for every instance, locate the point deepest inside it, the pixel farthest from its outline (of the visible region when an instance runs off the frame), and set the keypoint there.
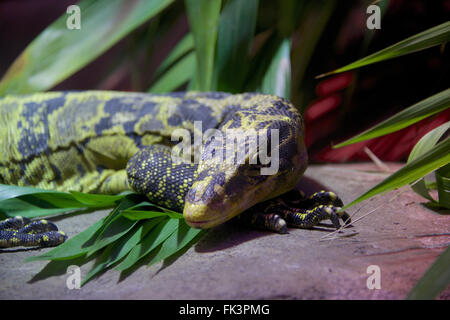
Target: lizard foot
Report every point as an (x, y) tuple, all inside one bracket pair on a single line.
[(293, 209), (21, 231)]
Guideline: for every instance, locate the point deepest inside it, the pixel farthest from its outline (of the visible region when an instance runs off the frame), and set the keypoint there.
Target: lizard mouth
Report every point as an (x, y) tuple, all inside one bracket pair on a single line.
[(198, 224), (196, 219), (205, 224)]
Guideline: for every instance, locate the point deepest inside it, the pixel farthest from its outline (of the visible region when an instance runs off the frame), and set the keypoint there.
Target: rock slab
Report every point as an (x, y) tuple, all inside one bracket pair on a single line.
[(400, 239)]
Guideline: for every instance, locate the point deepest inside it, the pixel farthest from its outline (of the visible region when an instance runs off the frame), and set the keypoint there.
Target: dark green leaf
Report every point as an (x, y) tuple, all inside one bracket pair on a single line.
[(33, 202), (72, 248), (25, 208), (315, 16), (139, 214), (277, 80), (109, 222), (429, 38), (236, 29), (10, 191), (119, 249), (176, 76), (414, 170), (147, 205), (425, 144), (443, 186), (152, 240), (177, 241), (97, 200), (410, 115), (203, 18), (183, 47), (435, 279), (115, 230)]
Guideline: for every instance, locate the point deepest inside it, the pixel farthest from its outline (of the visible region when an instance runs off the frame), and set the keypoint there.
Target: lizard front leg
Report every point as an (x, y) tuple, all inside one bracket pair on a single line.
[(21, 231), (295, 210)]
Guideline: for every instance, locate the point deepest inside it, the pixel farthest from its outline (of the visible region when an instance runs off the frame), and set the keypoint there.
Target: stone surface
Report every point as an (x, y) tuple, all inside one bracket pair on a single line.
[(402, 237)]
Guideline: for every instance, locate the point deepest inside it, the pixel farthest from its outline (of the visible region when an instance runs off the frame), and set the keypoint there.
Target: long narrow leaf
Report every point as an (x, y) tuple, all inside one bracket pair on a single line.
[(268, 45), (182, 48), (140, 215), (126, 203), (58, 51), (115, 230), (97, 200), (426, 39), (59, 198), (277, 79), (236, 29), (31, 209), (177, 241), (72, 248), (203, 20), (312, 25), (410, 115), (176, 76), (443, 186), (428, 141), (425, 144), (119, 249), (146, 205), (155, 238), (11, 191), (432, 160), (33, 202), (435, 279)]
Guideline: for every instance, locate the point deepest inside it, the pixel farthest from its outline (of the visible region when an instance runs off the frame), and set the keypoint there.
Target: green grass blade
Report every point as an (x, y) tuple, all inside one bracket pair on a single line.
[(114, 231), (261, 60), (176, 242), (443, 186), (414, 170), (425, 144), (277, 79), (96, 200), (59, 198), (315, 16), (25, 208), (128, 202), (101, 263), (119, 249), (140, 214), (203, 18), (152, 240), (236, 30), (33, 202), (183, 47), (150, 206), (428, 141), (423, 109), (435, 279), (59, 52), (10, 191), (176, 76), (429, 38), (97, 236)]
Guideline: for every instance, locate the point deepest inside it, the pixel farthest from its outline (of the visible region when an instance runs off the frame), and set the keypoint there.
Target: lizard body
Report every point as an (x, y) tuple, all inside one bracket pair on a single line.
[(108, 142)]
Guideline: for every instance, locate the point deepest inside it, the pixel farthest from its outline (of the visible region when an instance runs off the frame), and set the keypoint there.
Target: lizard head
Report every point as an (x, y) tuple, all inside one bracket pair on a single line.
[(245, 168)]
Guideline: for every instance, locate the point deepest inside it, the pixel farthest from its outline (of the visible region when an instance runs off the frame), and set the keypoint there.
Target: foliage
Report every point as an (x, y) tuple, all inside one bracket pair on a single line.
[(427, 156)]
